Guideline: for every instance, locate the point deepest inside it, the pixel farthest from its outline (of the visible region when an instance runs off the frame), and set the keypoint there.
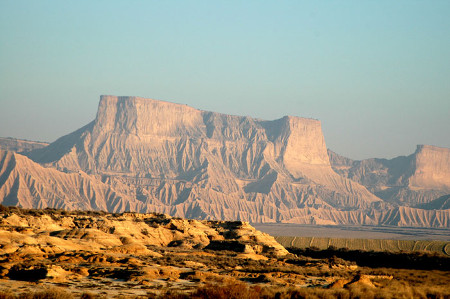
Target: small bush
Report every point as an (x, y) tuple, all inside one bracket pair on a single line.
[(7, 295), (53, 293)]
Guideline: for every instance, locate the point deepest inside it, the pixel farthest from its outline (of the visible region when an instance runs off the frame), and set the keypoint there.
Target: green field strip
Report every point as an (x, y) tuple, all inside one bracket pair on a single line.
[(321, 243), (436, 246), (390, 245), (421, 245), (447, 249), (373, 244), (338, 243), (415, 245), (293, 240), (285, 241), (365, 244), (302, 242)]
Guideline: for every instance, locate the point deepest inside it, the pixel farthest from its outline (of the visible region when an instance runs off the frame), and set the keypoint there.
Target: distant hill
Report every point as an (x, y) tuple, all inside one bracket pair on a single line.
[(20, 145), (413, 180), (441, 203)]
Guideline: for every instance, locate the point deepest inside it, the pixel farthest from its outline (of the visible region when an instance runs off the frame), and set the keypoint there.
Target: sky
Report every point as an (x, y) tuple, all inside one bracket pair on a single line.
[(375, 73)]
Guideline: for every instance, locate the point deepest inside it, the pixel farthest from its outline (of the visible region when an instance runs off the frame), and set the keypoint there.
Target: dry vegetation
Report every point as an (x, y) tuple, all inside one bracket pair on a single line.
[(228, 264)]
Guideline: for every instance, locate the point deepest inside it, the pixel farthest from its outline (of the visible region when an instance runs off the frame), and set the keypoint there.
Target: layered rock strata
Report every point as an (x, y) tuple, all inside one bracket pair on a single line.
[(147, 155), (190, 163), (413, 180)]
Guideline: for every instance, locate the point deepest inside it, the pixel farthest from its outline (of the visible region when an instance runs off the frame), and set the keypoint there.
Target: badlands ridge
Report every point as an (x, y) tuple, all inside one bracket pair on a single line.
[(145, 155)]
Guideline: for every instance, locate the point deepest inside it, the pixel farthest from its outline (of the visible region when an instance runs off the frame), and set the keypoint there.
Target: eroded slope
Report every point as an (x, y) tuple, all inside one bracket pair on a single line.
[(190, 163), (416, 179)]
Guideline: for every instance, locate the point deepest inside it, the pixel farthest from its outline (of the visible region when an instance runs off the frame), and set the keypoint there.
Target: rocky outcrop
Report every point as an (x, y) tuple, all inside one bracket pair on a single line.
[(128, 233), (413, 180)]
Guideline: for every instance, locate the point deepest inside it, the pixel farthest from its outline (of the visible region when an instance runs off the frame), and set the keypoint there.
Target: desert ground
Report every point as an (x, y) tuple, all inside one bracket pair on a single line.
[(60, 254)]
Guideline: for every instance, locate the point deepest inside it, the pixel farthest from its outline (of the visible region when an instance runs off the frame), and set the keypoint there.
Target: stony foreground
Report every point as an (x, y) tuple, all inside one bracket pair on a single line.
[(95, 254)]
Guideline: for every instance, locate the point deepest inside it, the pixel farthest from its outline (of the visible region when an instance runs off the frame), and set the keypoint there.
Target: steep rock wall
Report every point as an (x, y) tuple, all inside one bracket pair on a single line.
[(432, 168), (415, 179), (187, 162)]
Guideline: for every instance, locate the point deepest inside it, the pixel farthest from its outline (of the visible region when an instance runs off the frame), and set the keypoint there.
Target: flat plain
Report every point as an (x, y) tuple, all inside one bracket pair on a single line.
[(376, 238), (354, 232)]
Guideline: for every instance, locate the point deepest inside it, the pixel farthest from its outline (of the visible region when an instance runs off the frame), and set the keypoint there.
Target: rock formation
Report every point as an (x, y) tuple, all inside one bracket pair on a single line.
[(59, 231), (416, 179), (147, 155), (190, 163), (25, 183)]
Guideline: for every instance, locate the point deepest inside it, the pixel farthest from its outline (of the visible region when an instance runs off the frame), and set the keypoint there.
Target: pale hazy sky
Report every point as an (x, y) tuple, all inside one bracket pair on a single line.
[(376, 73)]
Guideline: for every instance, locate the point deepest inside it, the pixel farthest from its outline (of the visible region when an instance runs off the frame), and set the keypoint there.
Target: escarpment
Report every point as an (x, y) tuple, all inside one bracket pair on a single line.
[(413, 180), (191, 163), (146, 155)]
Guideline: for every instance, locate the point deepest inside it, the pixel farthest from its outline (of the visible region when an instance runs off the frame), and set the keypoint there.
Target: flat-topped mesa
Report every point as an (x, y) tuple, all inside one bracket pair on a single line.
[(432, 167), (305, 143), (297, 140), (187, 162), (140, 116)]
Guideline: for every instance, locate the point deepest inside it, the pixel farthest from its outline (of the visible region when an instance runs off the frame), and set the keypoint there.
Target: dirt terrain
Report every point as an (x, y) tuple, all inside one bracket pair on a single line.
[(96, 254)]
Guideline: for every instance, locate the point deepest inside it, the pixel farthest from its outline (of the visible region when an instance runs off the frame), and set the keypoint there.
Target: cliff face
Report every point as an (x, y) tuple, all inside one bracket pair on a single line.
[(432, 168), (128, 131), (146, 155), (179, 160), (416, 179)]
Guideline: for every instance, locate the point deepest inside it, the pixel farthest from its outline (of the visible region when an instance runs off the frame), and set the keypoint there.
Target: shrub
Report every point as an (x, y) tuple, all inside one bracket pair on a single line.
[(6, 295), (53, 293)]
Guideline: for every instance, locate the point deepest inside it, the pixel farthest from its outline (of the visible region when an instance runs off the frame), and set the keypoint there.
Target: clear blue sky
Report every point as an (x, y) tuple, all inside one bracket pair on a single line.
[(376, 73)]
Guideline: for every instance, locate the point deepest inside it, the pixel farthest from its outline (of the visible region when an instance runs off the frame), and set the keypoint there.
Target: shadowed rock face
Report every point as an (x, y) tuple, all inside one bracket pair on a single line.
[(146, 155), (416, 179)]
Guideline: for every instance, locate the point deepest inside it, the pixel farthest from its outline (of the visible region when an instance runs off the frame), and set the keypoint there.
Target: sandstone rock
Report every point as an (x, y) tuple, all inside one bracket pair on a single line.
[(414, 180), (57, 273), (134, 248), (146, 155), (165, 157), (64, 235)]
